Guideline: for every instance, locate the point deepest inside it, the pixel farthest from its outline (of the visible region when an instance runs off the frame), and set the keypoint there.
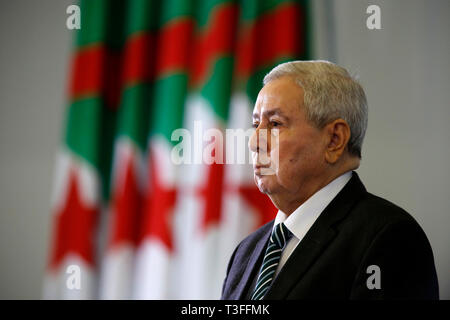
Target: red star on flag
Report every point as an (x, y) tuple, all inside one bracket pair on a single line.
[(126, 209), (212, 194), (159, 208), (75, 226)]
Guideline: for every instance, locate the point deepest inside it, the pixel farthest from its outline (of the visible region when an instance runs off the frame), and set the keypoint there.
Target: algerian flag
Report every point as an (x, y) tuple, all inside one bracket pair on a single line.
[(136, 215)]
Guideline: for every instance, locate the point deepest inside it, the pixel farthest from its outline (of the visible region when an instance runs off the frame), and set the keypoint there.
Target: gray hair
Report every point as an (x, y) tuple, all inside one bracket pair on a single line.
[(330, 93)]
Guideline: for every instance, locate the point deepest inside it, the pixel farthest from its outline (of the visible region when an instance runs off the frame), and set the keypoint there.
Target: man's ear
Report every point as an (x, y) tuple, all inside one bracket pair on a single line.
[(338, 135)]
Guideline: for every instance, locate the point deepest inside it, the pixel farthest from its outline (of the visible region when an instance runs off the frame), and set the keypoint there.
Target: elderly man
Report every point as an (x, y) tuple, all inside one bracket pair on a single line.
[(331, 239)]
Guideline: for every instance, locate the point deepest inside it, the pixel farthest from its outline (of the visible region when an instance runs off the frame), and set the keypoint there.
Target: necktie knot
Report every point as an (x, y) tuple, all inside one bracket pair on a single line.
[(280, 235)]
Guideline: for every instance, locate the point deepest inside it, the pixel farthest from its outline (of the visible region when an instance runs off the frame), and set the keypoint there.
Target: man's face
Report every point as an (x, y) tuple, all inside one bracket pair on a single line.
[(300, 147)]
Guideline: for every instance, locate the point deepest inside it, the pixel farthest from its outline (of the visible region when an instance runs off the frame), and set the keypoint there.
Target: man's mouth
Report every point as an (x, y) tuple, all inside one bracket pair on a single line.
[(260, 169)]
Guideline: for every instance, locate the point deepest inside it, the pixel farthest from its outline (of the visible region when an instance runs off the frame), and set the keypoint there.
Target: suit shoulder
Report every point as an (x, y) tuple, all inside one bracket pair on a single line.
[(372, 215), (381, 211)]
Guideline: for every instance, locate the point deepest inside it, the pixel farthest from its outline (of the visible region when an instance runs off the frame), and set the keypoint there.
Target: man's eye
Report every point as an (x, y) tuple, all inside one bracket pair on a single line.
[(275, 124)]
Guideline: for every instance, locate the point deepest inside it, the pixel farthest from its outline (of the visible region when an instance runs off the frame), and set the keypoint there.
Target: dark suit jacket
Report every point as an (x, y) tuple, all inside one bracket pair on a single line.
[(356, 230)]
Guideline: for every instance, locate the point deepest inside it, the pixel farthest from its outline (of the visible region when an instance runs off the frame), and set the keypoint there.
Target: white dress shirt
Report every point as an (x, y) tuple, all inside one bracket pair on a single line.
[(301, 220)]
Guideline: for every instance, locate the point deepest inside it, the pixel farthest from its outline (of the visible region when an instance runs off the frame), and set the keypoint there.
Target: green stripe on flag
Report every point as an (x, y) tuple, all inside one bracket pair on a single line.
[(168, 104), (101, 21), (89, 134), (142, 15), (175, 9), (83, 128), (133, 114), (217, 90)]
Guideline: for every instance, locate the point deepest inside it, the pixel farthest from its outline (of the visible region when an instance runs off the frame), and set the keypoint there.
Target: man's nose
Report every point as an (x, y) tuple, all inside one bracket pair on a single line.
[(258, 141), (253, 141)]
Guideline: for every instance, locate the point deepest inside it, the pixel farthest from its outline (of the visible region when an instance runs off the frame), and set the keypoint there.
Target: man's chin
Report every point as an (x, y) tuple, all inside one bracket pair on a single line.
[(264, 185)]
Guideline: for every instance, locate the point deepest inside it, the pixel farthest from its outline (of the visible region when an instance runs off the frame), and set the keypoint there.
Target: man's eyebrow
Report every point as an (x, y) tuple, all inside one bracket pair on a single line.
[(271, 112)]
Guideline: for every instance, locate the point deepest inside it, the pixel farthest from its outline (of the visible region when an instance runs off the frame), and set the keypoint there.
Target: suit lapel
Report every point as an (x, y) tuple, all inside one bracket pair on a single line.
[(316, 239), (253, 264)]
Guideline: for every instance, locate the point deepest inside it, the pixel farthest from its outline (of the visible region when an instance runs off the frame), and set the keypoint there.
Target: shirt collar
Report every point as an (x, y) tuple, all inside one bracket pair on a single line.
[(301, 220)]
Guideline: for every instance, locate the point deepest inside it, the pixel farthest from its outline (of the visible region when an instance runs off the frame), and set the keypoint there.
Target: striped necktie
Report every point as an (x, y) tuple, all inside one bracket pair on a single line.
[(280, 236)]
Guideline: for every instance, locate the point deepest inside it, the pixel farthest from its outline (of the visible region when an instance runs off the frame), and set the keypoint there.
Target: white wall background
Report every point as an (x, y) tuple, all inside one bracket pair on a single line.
[(404, 68), (34, 54)]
